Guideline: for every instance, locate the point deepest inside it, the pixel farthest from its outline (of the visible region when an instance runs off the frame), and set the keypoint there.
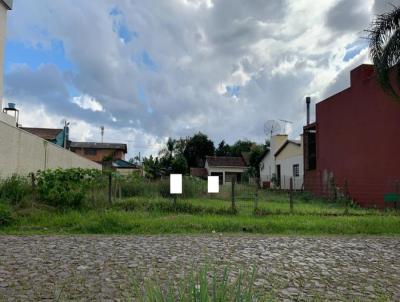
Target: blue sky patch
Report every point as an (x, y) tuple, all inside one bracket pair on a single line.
[(233, 90), (22, 53), (354, 49)]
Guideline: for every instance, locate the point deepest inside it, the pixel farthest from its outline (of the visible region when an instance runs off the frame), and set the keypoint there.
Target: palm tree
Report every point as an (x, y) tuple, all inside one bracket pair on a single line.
[(169, 150), (384, 42)]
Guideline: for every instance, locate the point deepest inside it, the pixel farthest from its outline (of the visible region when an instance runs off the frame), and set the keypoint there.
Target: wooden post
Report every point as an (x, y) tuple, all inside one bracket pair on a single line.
[(175, 199), (397, 190), (110, 188), (256, 199), (291, 195), (346, 195), (233, 194)]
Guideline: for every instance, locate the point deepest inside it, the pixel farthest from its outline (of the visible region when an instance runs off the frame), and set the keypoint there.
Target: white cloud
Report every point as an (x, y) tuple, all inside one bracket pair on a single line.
[(87, 102), (172, 78)]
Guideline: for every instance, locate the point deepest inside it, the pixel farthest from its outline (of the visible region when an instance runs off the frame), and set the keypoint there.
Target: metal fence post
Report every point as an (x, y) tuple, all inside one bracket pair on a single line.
[(291, 195), (233, 194), (109, 188)]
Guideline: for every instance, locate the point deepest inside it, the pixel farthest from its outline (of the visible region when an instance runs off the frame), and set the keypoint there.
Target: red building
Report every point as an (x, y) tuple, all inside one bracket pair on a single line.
[(355, 140)]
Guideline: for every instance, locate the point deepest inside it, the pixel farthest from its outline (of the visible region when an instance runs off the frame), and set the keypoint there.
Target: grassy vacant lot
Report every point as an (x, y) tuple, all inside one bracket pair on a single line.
[(144, 215)]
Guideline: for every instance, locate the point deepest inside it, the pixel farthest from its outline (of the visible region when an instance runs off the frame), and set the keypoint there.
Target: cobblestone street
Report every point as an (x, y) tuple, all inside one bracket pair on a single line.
[(104, 267)]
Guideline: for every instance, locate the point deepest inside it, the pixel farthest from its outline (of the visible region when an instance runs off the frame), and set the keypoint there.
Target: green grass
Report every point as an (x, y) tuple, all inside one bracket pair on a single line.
[(141, 215), (120, 222)]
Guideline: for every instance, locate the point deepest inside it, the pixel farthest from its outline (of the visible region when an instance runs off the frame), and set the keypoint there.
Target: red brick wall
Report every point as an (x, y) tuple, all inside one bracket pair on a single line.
[(100, 154), (358, 139)]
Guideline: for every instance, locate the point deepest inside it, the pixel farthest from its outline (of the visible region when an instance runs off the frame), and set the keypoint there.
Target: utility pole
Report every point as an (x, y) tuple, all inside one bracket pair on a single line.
[(102, 133)]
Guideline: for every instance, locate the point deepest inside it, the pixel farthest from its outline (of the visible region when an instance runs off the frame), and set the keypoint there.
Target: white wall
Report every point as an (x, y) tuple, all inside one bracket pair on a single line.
[(287, 172), (22, 152), (267, 167)]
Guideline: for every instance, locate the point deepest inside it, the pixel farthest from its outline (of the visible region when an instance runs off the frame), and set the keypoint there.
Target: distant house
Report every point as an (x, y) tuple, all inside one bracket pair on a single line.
[(199, 172), (125, 168), (289, 164), (55, 136), (355, 140), (280, 162), (227, 168), (99, 151)]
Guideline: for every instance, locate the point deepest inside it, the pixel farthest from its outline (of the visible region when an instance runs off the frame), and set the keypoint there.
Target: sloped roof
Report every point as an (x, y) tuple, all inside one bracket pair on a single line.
[(225, 161), (285, 144), (198, 172), (93, 145), (123, 164), (263, 155), (7, 3), (45, 133)]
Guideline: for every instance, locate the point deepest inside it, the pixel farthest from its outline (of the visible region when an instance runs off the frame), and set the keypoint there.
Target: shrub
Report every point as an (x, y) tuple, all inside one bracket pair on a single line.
[(15, 188), (6, 217), (66, 188)]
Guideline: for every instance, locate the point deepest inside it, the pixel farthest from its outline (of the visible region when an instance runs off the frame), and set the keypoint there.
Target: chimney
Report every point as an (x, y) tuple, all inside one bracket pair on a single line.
[(308, 100)]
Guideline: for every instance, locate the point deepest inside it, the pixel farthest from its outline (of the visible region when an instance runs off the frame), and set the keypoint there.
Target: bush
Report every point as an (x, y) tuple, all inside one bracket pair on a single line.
[(14, 189), (66, 188), (6, 217)]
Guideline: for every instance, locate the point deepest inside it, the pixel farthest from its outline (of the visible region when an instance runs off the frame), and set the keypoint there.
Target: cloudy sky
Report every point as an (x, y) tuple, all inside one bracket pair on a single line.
[(151, 69)]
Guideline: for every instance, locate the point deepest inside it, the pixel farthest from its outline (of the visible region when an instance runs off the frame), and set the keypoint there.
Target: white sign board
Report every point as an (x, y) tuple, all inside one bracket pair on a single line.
[(175, 183), (213, 184)]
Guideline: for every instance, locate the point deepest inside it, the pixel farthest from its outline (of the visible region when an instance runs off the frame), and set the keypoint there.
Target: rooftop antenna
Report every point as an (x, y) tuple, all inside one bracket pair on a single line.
[(102, 133), (271, 127), (285, 122)]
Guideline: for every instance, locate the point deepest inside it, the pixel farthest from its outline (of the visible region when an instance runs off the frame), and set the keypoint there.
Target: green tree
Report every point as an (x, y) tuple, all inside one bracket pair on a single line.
[(197, 148), (223, 149), (179, 164), (384, 42), (241, 146)]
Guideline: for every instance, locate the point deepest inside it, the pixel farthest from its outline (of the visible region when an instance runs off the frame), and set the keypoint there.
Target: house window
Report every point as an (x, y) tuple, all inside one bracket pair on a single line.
[(90, 151), (296, 170)]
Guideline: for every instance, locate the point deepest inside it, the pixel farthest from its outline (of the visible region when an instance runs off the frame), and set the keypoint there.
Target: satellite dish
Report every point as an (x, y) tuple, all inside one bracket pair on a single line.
[(271, 128)]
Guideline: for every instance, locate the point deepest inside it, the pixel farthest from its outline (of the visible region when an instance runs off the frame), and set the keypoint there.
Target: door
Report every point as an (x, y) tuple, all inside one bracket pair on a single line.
[(278, 175)]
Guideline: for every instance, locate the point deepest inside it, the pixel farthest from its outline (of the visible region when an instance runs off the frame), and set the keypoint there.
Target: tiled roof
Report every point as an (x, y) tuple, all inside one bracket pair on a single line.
[(45, 133), (93, 145), (225, 161), (198, 172)]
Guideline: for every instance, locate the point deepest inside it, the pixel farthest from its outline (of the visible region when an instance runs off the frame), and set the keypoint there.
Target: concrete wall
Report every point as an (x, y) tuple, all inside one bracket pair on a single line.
[(3, 23), (22, 152)]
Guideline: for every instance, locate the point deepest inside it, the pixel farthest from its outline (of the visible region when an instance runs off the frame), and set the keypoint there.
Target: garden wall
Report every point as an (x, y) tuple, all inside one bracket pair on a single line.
[(22, 152)]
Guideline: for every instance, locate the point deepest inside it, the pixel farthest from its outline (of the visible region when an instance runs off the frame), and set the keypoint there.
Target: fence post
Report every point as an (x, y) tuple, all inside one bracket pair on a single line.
[(291, 195), (33, 180), (110, 188), (233, 194), (256, 198), (397, 191), (346, 195)]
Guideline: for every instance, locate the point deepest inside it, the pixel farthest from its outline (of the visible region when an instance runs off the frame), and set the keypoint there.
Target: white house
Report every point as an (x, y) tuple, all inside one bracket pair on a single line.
[(226, 167), (282, 161)]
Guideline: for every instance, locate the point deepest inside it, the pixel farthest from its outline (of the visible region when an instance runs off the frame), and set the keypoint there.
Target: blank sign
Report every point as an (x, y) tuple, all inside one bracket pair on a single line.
[(175, 183), (213, 184)]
